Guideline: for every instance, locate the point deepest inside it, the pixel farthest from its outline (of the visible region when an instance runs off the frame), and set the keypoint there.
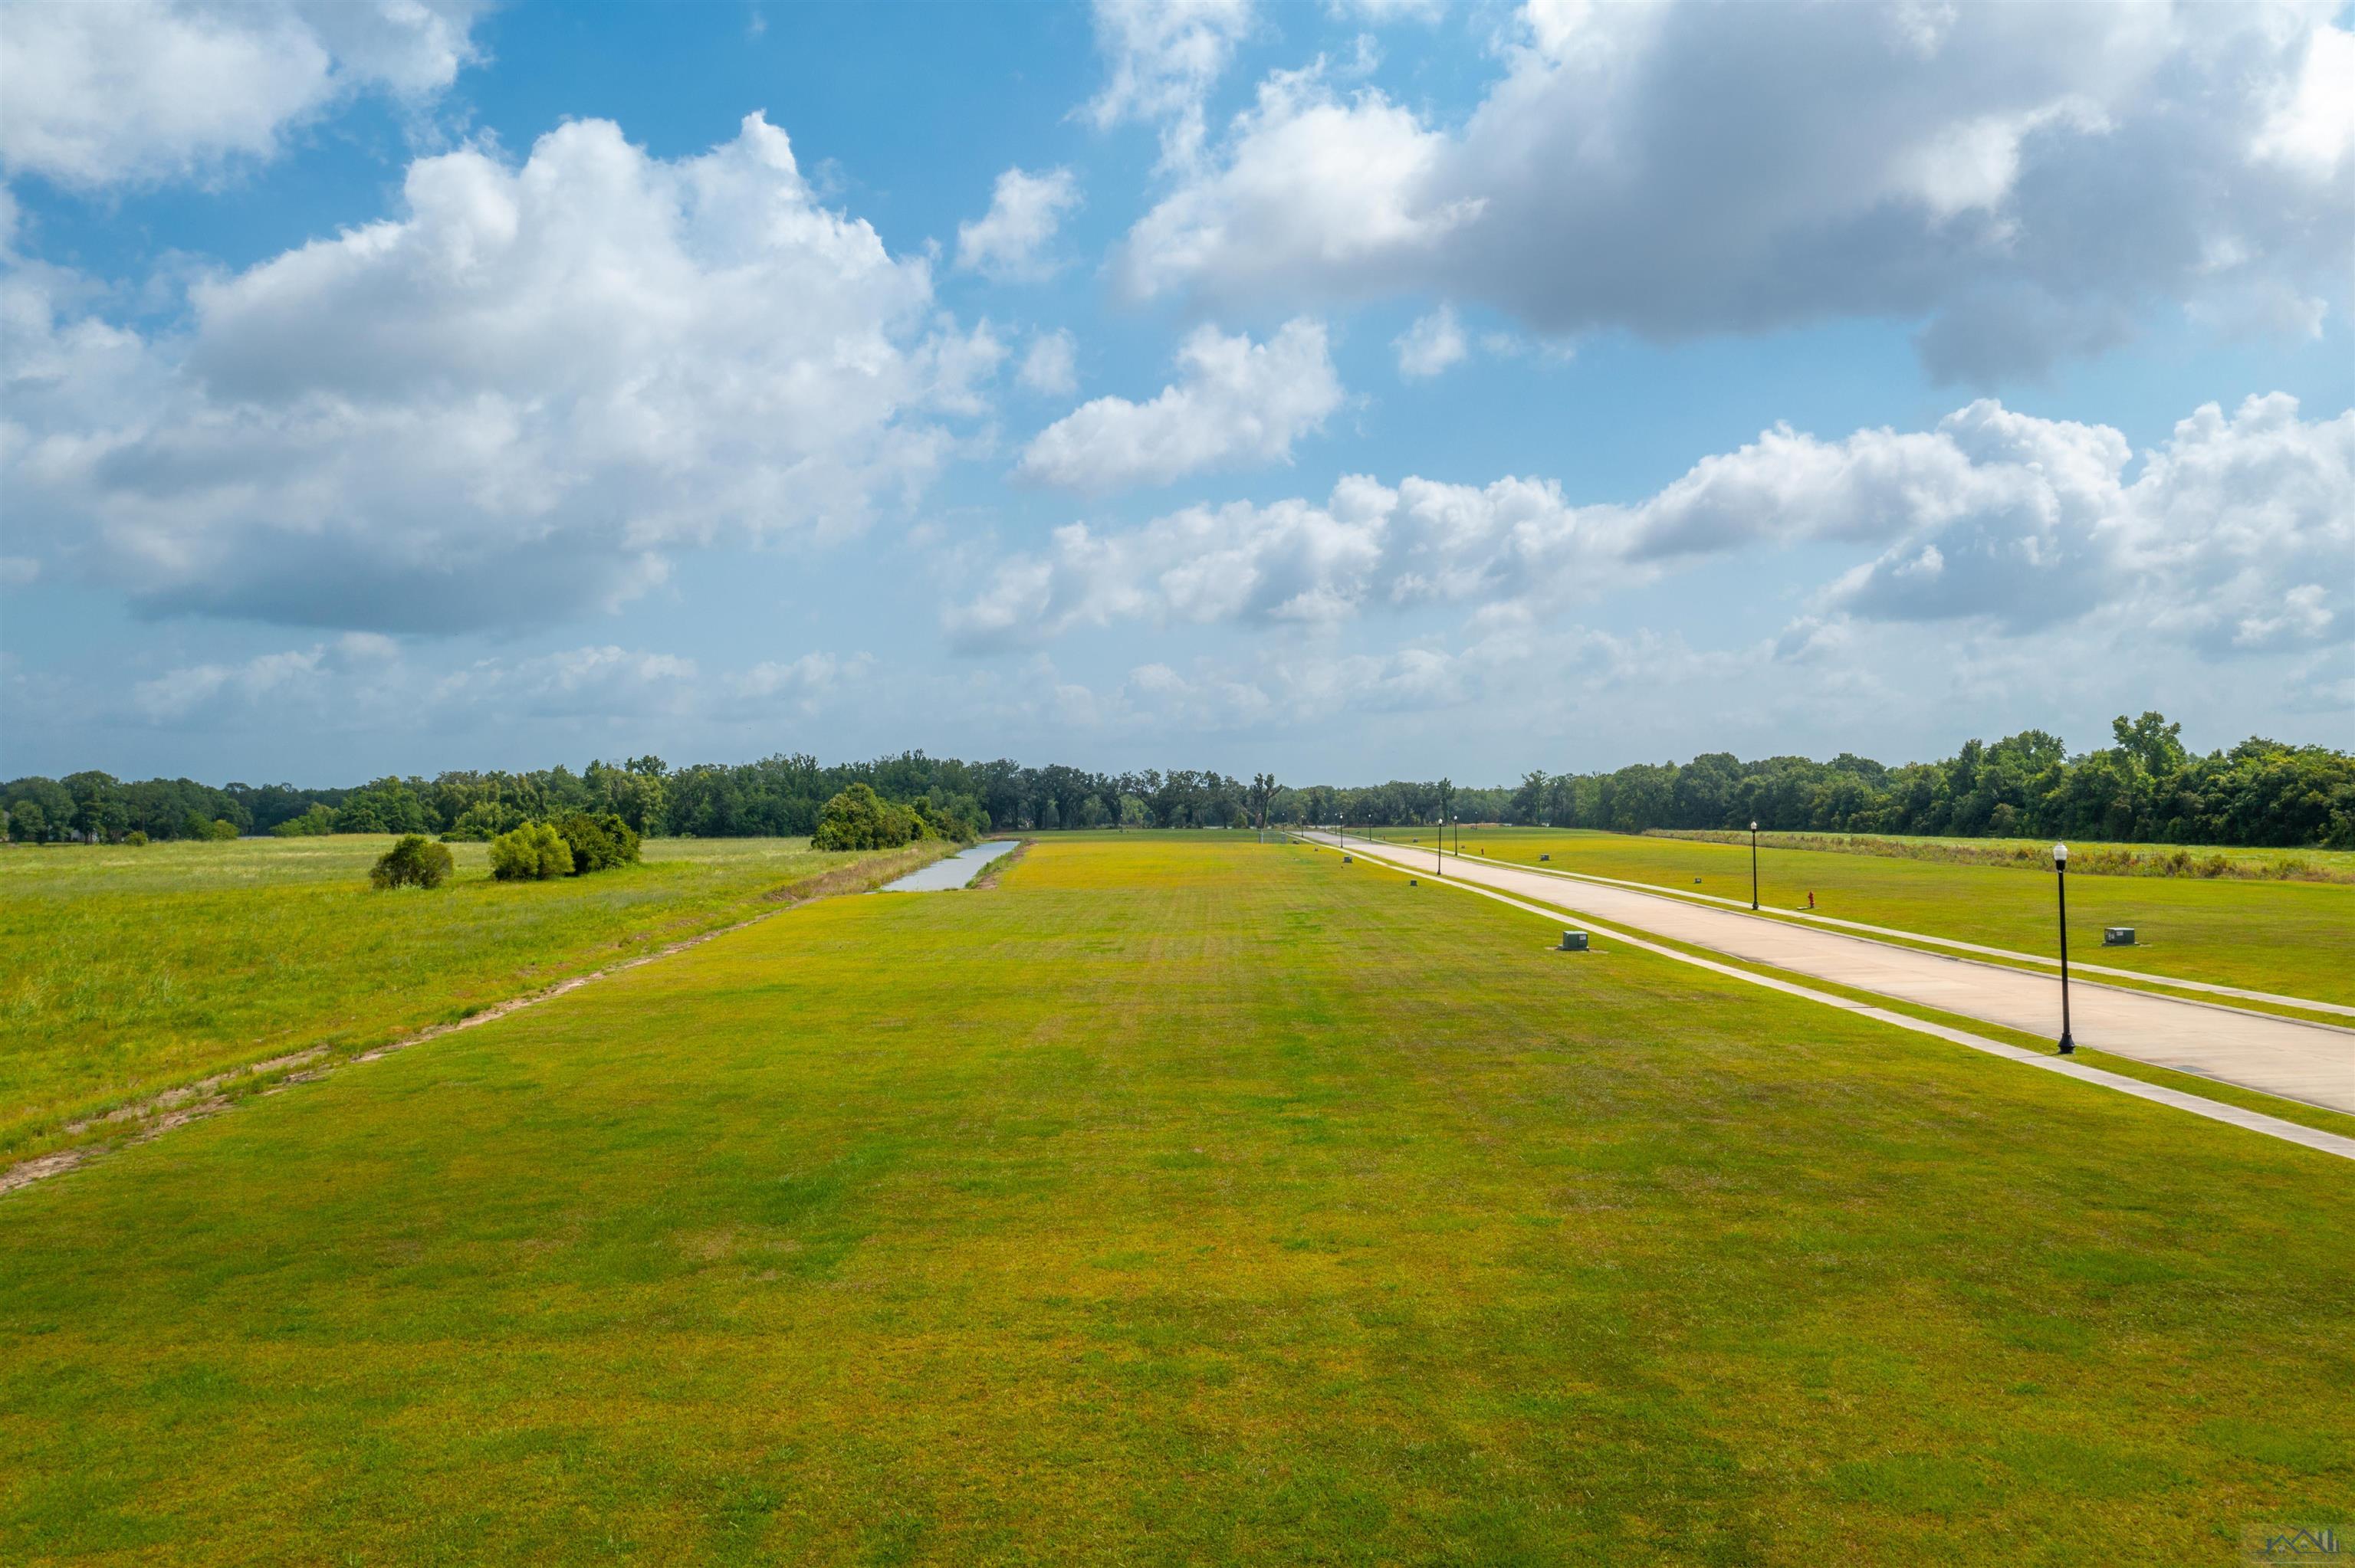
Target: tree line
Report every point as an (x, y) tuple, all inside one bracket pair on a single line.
[(781, 795), (2145, 786)]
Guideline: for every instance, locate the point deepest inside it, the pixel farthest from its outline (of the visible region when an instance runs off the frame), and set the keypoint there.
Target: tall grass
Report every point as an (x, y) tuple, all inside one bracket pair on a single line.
[(134, 971)]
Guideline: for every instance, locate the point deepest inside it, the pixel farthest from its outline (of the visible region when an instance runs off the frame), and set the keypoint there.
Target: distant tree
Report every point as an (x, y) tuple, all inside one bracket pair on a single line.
[(41, 809), (415, 862), (532, 853), (387, 806), (484, 820), (1261, 796), (2151, 741), (316, 822), (136, 838), (1528, 801), (954, 817), (635, 793), (99, 814)]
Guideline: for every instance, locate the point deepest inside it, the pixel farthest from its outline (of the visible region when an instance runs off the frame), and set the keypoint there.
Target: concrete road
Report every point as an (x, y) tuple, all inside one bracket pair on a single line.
[(2310, 1061)]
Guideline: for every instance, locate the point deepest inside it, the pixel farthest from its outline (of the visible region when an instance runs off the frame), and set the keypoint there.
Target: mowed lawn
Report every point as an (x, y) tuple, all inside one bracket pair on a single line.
[(1178, 1201), (132, 971), (2290, 937)]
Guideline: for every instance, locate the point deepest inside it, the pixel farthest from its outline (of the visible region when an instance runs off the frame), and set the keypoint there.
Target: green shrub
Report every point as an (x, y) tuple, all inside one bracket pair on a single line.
[(532, 853), (859, 819), (135, 838), (415, 862), (597, 840), (220, 829)]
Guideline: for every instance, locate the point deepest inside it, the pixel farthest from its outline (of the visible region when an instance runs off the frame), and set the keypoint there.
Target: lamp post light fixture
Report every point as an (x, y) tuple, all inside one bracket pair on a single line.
[(1753, 865), (2060, 888)]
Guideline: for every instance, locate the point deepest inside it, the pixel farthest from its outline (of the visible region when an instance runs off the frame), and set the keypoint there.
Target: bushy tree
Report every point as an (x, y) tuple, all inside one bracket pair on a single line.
[(415, 862), (859, 819), (532, 853), (135, 839), (598, 841)]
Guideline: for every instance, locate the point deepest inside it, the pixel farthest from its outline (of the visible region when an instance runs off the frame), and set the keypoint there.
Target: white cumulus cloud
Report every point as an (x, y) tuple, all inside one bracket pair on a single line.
[(94, 94), (364, 682), (2027, 182), (1050, 366), (2237, 534), (510, 401), (1433, 344), (1235, 402), (1162, 57), (1009, 241)]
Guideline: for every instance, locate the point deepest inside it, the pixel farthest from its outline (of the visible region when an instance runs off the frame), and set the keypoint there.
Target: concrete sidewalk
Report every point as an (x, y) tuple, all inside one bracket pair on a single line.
[(2309, 1062), (2078, 966)]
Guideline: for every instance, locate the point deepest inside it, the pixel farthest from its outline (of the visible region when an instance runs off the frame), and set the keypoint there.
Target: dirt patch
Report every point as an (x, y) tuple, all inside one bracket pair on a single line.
[(129, 1126), (25, 1172)]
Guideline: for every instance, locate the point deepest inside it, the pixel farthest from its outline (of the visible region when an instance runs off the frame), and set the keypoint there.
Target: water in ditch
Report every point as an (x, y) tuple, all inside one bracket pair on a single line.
[(953, 872)]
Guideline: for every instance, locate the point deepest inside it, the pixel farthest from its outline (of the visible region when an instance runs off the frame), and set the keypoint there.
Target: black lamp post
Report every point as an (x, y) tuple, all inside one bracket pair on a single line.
[(1753, 865), (2061, 887)]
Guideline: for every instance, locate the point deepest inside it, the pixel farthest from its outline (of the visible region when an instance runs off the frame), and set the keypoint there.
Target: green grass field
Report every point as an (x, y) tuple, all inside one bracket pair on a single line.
[(2291, 938), (2324, 863), (135, 971), (1178, 1201)]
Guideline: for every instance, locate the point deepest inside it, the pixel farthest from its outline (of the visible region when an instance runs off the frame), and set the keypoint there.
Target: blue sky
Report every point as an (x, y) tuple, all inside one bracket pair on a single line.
[(1354, 390)]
